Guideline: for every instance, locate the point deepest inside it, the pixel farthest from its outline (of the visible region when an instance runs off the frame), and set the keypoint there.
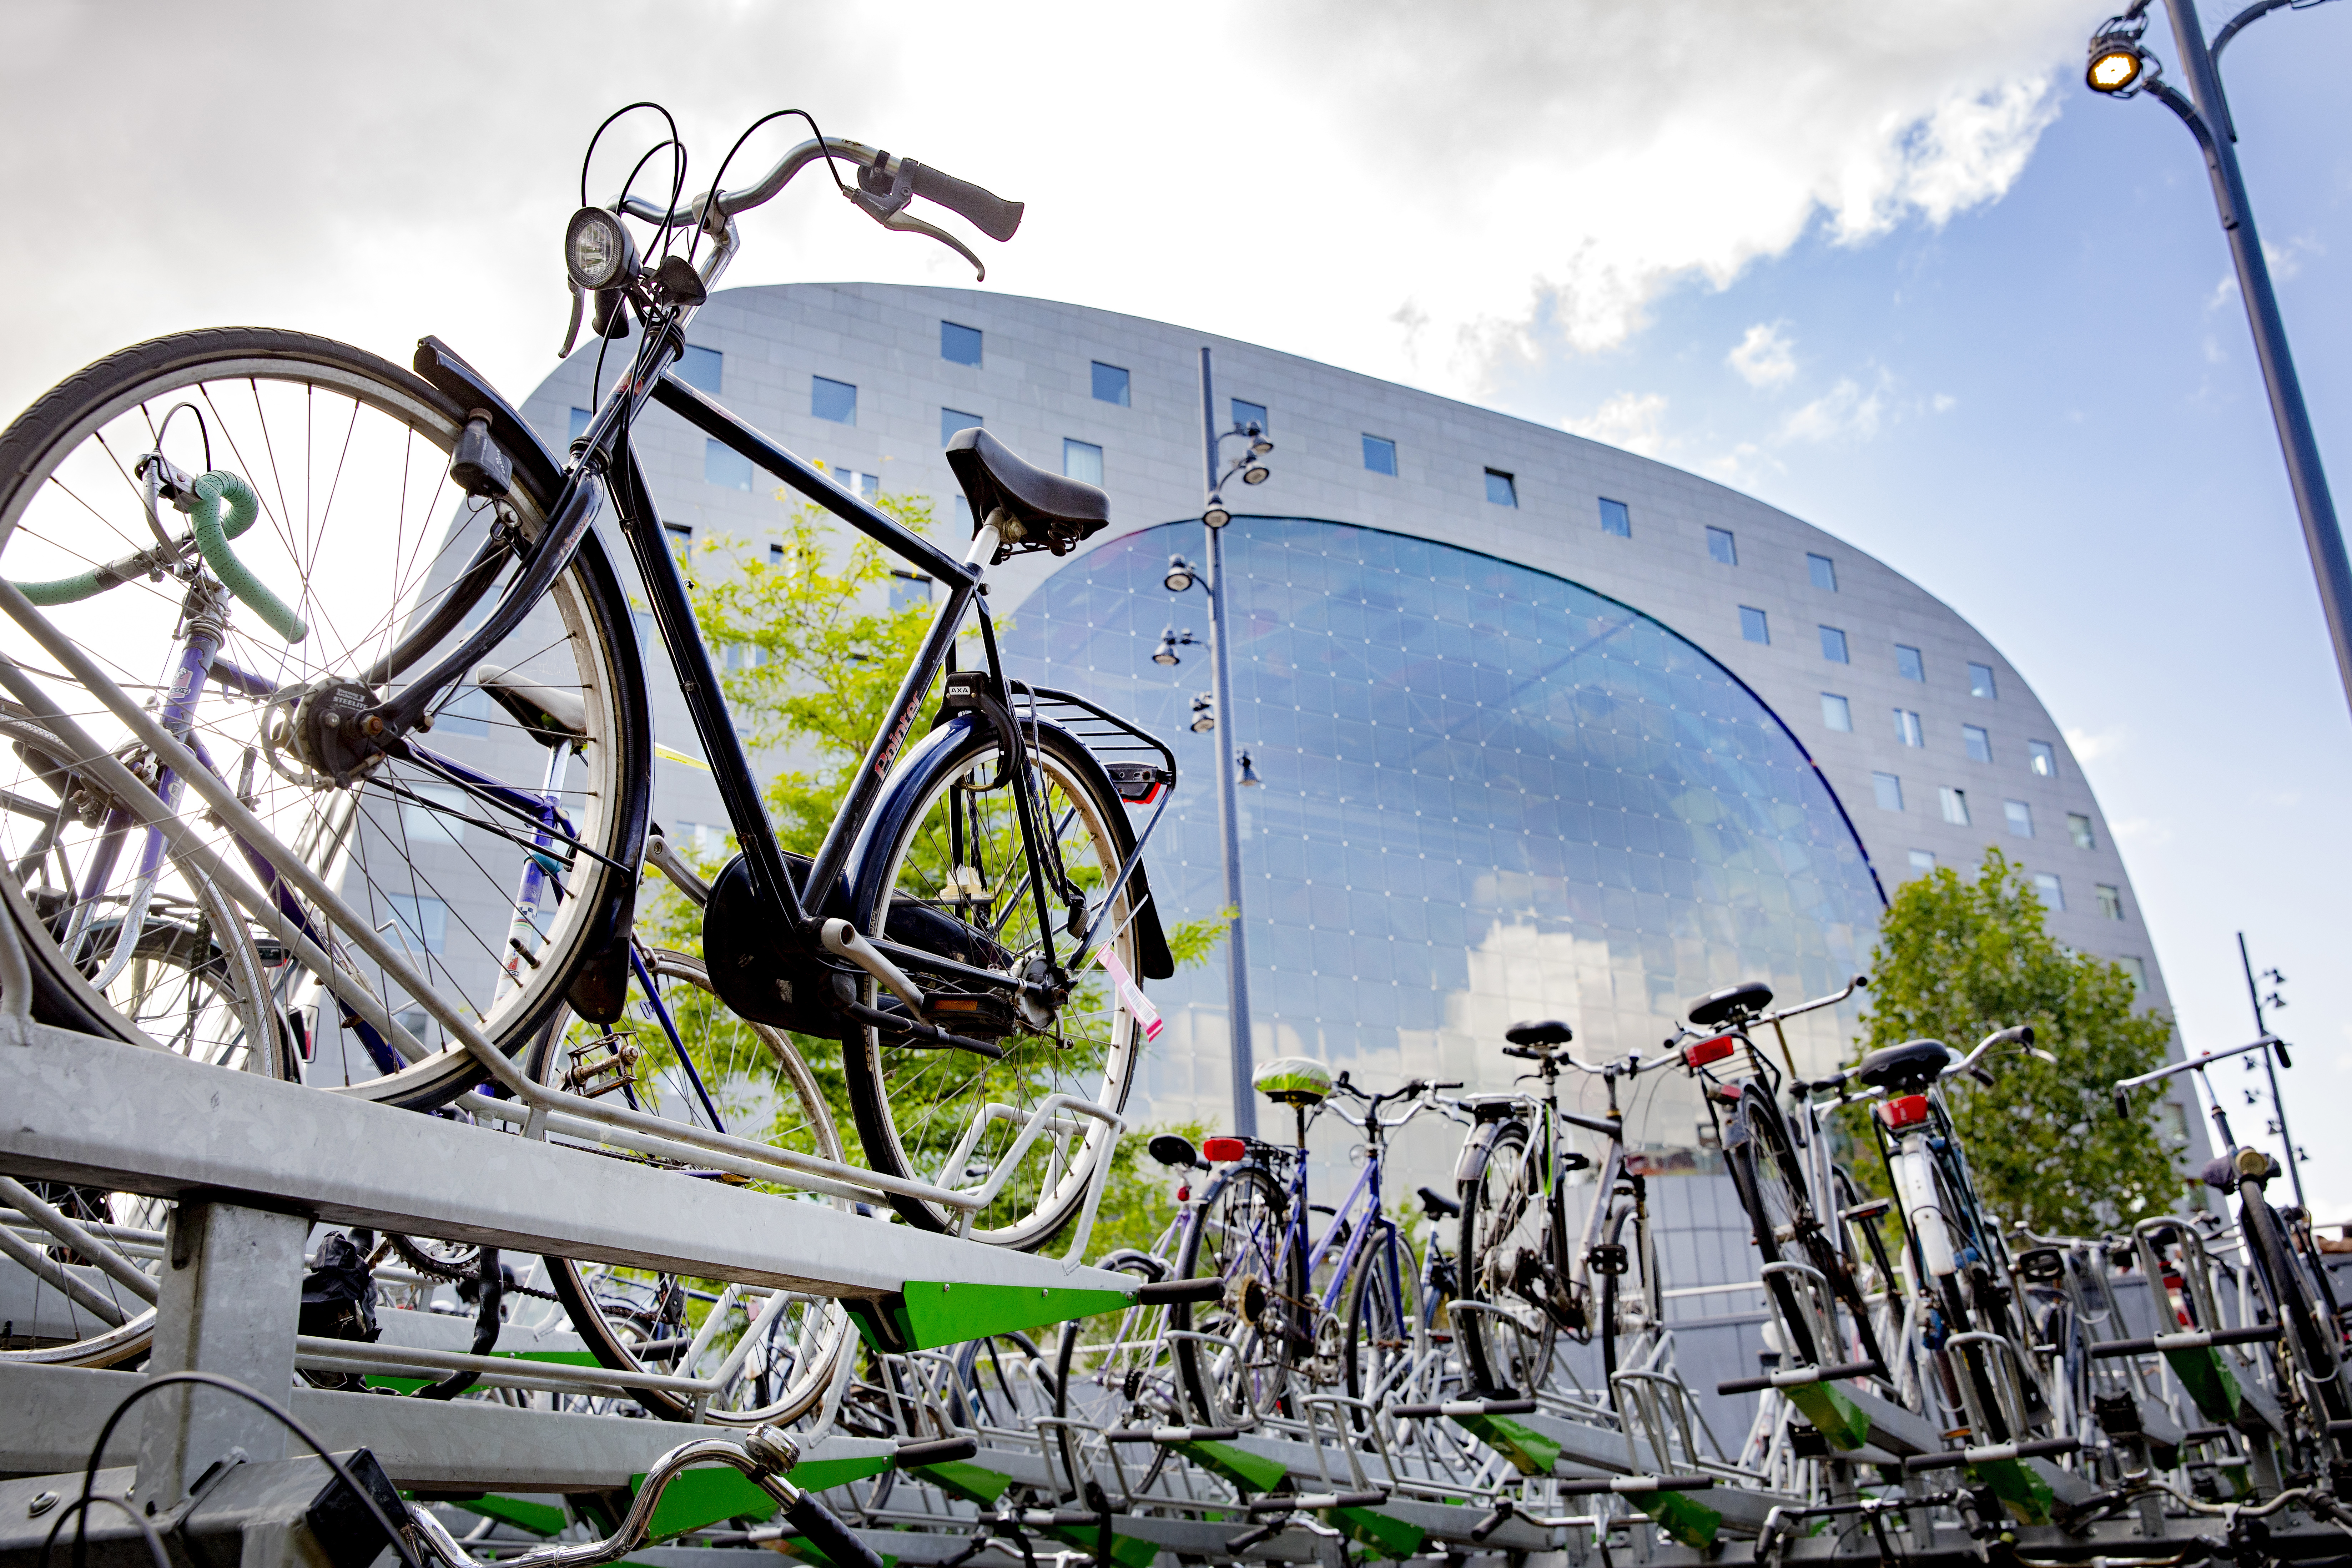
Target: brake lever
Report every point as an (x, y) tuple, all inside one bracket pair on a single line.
[(884, 198), (906, 222), (572, 332)]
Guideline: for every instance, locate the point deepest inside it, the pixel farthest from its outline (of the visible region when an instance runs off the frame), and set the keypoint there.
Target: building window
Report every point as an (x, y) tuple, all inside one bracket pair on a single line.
[(1908, 663), (724, 466), (1379, 454), (1907, 729), (953, 420), (580, 417), (1836, 712), (1979, 743), (1248, 414), (2078, 828), (2111, 902), (1501, 488), (1955, 803), (776, 557), (422, 924), (1980, 680), (1110, 383), (908, 590), (834, 400), (2043, 757), (1889, 789), (1617, 519), (681, 540), (1752, 625), (866, 487), (1721, 546), (959, 344), (468, 712), (1824, 571), (2021, 817), (2053, 893), (701, 369), (1923, 860), (433, 819), (1082, 460), (1833, 645), (2137, 969)]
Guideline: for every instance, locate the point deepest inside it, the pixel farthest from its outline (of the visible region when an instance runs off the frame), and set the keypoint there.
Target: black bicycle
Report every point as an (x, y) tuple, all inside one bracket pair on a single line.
[(258, 581)]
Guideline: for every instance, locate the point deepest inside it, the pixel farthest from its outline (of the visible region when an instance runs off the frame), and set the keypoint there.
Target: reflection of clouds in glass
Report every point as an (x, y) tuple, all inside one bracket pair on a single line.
[(1490, 794)]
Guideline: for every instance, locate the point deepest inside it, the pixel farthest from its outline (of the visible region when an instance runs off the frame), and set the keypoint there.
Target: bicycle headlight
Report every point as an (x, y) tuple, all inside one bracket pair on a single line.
[(597, 251)]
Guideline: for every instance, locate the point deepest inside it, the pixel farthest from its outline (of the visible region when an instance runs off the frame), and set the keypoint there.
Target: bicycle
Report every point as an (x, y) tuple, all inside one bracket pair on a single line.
[(1524, 1283), (1333, 1310), (974, 928)]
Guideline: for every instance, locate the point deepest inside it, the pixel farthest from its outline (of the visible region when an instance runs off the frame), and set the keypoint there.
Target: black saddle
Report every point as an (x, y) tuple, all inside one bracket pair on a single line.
[(1910, 1067), (1543, 1032), (1744, 1000), (1437, 1205), (1042, 510)]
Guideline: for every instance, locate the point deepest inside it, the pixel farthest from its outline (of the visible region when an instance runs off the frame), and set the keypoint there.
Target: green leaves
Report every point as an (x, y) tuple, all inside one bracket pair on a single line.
[(1958, 959)]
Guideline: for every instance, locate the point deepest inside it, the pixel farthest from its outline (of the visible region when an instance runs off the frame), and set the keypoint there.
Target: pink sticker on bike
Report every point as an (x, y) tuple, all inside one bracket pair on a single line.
[(1137, 1002)]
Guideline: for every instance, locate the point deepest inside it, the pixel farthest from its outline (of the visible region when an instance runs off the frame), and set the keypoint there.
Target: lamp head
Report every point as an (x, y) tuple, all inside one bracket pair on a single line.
[(1260, 446), (1205, 714), (1180, 575), (1216, 516), (597, 251), (1256, 474), (1249, 775), (1166, 652), (2118, 66)]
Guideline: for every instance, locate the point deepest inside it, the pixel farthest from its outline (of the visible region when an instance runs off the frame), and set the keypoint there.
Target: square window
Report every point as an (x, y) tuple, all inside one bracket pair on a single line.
[(422, 924), (468, 712), (2137, 969), (580, 417), (1082, 460), (1833, 645), (1923, 859), (2043, 757), (1501, 487), (1908, 663), (1889, 789), (724, 466), (2021, 817), (1979, 743), (1824, 571), (959, 344), (834, 400), (1110, 383), (1247, 414), (682, 538), (1721, 546), (1955, 803), (776, 556), (1752, 625), (2078, 828), (1379, 455), (952, 420), (908, 590), (701, 369), (1836, 712), (1980, 680), (1617, 519), (2053, 894), (1906, 728), (2111, 902)]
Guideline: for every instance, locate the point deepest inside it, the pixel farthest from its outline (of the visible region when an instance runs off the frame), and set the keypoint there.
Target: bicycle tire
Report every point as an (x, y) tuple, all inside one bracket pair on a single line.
[(1384, 1338), (1631, 1314), (914, 1106), (2291, 1300), (1133, 1385), (1771, 1183), (1248, 1213), (737, 1063), (363, 532), (1507, 1229)]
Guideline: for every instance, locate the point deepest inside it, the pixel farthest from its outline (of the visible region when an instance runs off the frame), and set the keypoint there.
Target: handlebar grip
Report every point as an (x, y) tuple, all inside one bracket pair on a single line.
[(2280, 1047), (1523, 1053), (934, 1451), (817, 1523), (991, 215), (212, 536), (1168, 1292)]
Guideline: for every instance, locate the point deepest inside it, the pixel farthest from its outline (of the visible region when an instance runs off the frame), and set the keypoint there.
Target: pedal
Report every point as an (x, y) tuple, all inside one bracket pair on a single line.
[(976, 1015), (1610, 1258), (601, 1066)]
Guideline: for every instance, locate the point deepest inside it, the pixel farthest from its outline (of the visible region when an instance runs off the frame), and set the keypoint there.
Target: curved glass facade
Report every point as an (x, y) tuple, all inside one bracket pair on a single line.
[(1489, 794)]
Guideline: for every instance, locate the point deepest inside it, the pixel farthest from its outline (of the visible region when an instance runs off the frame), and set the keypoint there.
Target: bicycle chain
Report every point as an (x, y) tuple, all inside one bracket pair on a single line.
[(417, 1258)]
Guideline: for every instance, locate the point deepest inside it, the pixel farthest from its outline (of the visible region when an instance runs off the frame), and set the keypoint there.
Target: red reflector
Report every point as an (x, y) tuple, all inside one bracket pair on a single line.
[(1908, 1112), (1219, 1150), (1707, 1051), (1184, 1194)]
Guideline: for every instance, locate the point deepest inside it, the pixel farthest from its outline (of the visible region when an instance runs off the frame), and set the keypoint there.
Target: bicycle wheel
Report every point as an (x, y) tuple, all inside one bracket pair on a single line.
[(944, 870), (1112, 1372), (1771, 1183), (1633, 1312), (709, 1068), (2312, 1337), (1241, 1235), (1509, 1266), (1384, 1337), (340, 462)]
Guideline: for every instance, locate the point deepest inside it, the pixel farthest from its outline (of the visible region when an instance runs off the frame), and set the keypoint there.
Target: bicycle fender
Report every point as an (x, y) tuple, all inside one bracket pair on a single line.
[(535, 466), (1478, 1148)]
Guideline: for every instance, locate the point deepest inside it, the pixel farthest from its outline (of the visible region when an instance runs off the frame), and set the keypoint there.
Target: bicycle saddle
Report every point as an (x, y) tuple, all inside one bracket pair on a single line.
[(1546, 1032), (1043, 510), (1911, 1066), (1744, 1000), (1293, 1080)]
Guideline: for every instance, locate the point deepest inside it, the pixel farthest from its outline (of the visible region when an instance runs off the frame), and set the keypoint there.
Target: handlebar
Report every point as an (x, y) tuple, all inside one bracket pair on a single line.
[(1818, 1002)]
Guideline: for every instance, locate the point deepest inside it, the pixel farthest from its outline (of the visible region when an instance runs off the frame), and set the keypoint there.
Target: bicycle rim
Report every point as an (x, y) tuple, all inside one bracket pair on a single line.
[(1239, 1235), (1506, 1240)]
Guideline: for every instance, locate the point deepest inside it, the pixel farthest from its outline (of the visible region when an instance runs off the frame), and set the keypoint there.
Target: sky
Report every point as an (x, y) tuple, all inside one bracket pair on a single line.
[(1888, 266)]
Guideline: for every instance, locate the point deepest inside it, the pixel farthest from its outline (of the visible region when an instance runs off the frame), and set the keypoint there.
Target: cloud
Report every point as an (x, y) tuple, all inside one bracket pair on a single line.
[(1632, 420), (1844, 410), (2090, 745), (1944, 402), (1764, 357)]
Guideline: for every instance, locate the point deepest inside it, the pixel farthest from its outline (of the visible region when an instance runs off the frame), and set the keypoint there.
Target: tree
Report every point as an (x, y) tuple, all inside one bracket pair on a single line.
[(1958, 959)]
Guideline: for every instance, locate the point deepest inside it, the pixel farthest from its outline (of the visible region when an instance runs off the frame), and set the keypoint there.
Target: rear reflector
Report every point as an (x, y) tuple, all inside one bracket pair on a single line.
[(1908, 1112), (1707, 1051), (1217, 1150)]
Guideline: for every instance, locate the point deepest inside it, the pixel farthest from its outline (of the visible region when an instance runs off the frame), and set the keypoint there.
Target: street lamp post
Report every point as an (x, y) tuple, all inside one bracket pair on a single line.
[(1212, 712), (2120, 67), (2262, 1027)]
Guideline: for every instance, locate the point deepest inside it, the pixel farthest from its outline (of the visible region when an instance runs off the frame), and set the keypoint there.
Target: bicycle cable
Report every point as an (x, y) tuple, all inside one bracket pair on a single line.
[(718, 182)]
